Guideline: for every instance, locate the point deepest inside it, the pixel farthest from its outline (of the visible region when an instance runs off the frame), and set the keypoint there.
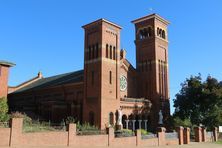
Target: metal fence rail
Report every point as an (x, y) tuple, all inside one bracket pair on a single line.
[(91, 132), (121, 134), (173, 135), (4, 124), (149, 136)]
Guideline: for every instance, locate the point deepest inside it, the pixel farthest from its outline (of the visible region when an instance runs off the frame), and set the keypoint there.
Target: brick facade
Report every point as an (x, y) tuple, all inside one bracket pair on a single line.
[(108, 82)]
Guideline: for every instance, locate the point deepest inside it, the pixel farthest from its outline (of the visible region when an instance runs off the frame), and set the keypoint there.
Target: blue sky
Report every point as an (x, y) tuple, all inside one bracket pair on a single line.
[(46, 35)]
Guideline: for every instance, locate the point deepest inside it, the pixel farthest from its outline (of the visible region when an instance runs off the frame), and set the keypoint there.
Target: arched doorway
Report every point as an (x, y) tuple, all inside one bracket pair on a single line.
[(91, 118), (124, 118), (131, 118), (111, 118)]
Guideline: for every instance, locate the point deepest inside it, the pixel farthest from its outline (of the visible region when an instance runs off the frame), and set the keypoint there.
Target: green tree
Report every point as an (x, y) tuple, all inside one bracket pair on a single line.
[(200, 102), (3, 110)]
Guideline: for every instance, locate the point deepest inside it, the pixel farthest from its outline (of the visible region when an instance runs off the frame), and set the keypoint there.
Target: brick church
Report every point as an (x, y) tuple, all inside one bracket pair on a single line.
[(108, 82)]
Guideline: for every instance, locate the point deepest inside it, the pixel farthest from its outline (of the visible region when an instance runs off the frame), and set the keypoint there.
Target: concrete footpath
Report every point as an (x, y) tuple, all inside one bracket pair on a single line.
[(192, 145)]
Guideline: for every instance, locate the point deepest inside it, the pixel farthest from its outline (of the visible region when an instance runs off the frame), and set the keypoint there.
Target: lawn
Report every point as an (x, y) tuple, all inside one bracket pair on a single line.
[(219, 142)]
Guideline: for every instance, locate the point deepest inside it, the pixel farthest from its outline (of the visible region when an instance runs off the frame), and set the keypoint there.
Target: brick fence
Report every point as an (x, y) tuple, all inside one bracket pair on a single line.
[(201, 135), (15, 137)]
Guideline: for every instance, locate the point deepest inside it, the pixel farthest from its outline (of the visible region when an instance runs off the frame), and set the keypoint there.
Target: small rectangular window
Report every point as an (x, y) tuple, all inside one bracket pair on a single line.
[(110, 77), (114, 53), (93, 52), (110, 50), (107, 50), (97, 50), (92, 78), (89, 53)]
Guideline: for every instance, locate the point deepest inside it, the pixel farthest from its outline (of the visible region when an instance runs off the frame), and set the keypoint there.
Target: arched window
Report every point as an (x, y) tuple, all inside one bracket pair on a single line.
[(111, 118), (141, 34), (145, 33), (91, 118), (107, 51), (124, 118), (97, 50), (110, 52), (114, 53), (158, 30), (89, 53), (93, 51), (163, 34), (149, 32)]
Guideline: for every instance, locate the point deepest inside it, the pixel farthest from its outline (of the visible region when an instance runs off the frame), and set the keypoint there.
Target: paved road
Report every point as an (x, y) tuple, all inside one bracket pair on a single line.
[(192, 145)]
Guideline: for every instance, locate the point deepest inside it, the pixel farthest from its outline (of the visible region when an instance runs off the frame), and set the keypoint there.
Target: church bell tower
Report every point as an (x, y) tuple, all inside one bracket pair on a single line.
[(101, 71), (151, 40)]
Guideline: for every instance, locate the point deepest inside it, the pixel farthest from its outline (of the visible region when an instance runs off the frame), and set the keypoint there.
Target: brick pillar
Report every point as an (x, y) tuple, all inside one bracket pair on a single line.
[(180, 134), (198, 134), (138, 137), (161, 136), (186, 135), (215, 133), (110, 136), (204, 134), (16, 132), (71, 134)]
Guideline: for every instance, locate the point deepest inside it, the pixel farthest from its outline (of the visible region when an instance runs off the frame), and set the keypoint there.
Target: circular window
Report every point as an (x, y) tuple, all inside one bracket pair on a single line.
[(123, 83)]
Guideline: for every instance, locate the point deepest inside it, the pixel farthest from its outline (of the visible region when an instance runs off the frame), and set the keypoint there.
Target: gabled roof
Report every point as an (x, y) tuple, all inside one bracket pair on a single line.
[(102, 20), (67, 78), (154, 15)]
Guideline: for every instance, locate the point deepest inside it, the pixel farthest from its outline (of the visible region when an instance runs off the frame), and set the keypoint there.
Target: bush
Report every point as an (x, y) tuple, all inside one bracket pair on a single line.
[(124, 133), (144, 132), (86, 127), (179, 122), (69, 120), (3, 110), (26, 119)]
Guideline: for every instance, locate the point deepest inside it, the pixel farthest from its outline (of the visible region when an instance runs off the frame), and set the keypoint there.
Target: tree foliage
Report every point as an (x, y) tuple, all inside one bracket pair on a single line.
[(3, 110), (200, 101)]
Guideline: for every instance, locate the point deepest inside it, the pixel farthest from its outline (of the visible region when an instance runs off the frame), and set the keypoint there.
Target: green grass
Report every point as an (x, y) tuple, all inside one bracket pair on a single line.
[(41, 127), (219, 142)]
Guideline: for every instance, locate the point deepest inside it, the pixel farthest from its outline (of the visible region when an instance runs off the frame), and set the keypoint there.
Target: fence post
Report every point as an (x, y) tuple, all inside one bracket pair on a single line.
[(204, 134), (110, 135), (186, 135), (198, 134), (138, 137), (180, 134), (71, 134), (161, 136), (215, 133), (16, 131)]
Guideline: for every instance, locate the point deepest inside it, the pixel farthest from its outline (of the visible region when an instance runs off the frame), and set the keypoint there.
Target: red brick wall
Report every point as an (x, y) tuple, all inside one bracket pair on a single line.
[(4, 136), (44, 139), (97, 140), (15, 137)]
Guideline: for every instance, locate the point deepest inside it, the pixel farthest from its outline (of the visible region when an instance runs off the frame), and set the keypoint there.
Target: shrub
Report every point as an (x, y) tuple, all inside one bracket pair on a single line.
[(86, 127), (3, 110), (124, 133), (179, 122), (26, 119), (144, 132), (70, 119)]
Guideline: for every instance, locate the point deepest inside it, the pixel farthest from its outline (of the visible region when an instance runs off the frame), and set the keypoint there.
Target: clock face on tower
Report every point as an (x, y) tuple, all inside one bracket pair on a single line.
[(123, 83)]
